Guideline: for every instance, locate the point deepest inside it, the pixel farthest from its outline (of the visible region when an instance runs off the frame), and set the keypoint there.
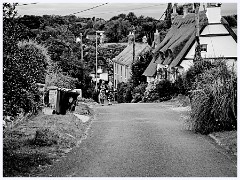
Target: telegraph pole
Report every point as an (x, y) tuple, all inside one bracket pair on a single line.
[(81, 47), (197, 55), (133, 44)]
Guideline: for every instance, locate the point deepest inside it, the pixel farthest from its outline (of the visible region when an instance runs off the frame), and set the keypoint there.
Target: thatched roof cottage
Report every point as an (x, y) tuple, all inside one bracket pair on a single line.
[(175, 53)]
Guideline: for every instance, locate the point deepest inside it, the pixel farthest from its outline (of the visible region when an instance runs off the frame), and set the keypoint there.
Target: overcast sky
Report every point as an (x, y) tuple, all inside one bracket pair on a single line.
[(105, 11)]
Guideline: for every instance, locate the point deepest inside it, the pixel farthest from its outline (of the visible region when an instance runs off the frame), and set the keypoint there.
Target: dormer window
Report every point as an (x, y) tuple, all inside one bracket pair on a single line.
[(204, 47)]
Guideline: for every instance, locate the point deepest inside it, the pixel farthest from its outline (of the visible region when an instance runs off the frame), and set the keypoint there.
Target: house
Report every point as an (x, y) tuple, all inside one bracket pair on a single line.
[(105, 65), (123, 62), (175, 54)]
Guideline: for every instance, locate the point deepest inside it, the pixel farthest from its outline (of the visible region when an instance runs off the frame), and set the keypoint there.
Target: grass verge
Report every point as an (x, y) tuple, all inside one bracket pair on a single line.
[(37, 142)]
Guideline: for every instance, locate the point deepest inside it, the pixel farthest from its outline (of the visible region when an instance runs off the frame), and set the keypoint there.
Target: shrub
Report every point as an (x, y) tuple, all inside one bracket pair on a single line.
[(151, 93), (190, 77), (165, 90), (214, 102), (160, 90), (124, 92), (138, 92), (22, 69), (179, 87)]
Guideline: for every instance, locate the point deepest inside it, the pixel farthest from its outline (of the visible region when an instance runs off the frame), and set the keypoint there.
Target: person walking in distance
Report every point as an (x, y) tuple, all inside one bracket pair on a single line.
[(102, 93)]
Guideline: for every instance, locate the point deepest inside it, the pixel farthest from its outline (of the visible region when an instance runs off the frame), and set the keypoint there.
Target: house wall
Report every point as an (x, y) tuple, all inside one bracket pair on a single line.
[(121, 73), (150, 79), (219, 44)]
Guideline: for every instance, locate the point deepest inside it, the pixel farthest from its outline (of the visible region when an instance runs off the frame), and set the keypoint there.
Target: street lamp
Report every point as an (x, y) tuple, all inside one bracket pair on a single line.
[(101, 33), (81, 45)]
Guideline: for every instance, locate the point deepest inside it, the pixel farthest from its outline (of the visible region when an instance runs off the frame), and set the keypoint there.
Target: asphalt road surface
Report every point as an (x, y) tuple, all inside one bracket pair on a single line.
[(143, 140)]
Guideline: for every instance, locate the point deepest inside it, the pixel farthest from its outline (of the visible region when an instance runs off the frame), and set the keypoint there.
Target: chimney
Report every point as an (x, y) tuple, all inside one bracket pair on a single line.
[(214, 12), (130, 38), (174, 14), (185, 10)]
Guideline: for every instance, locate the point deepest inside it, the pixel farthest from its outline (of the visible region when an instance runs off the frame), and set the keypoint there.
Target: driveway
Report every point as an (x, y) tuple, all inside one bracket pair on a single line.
[(143, 140)]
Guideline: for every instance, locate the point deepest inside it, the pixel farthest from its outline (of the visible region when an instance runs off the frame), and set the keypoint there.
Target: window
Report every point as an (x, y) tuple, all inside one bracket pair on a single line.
[(121, 72), (204, 47)]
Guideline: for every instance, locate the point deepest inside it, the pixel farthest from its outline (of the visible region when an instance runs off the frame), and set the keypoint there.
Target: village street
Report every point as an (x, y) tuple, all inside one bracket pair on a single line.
[(139, 140)]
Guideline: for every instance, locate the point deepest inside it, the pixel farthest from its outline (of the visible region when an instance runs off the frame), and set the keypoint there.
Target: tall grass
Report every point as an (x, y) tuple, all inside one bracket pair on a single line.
[(214, 100)]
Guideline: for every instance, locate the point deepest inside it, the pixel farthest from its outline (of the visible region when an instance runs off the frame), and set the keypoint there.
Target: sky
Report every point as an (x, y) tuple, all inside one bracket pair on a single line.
[(104, 10)]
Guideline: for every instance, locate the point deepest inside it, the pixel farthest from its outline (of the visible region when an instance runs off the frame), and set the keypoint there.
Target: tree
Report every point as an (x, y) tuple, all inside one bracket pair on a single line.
[(22, 69), (139, 67), (24, 65), (117, 30)]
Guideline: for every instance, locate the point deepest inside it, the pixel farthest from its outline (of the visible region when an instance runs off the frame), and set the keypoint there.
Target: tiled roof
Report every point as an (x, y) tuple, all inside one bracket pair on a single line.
[(126, 56)]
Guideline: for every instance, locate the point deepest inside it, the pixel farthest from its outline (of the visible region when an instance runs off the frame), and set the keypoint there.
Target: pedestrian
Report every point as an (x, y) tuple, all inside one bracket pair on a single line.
[(102, 93), (110, 97)]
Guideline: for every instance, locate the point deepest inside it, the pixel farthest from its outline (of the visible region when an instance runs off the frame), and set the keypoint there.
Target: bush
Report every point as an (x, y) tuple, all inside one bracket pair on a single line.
[(124, 92), (165, 90), (22, 69), (179, 86), (138, 92), (160, 90), (151, 93), (214, 102), (190, 77)]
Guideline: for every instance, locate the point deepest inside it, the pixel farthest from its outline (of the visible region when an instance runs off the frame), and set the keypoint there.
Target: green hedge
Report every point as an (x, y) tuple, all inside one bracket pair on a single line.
[(22, 69)]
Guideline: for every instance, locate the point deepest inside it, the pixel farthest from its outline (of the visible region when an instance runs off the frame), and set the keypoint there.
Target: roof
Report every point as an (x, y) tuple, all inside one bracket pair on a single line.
[(126, 56), (180, 37), (179, 40), (176, 42), (151, 69)]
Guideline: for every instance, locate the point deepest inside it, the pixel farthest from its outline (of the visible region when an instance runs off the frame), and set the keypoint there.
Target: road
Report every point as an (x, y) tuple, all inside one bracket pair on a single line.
[(143, 140)]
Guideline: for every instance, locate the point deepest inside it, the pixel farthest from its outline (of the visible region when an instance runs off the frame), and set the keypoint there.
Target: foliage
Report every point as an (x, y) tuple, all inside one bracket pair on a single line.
[(23, 68), (124, 94), (151, 93), (165, 90), (138, 92), (191, 76), (117, 30), (214, 102), (179, 86), (139, 67), (160, 90)]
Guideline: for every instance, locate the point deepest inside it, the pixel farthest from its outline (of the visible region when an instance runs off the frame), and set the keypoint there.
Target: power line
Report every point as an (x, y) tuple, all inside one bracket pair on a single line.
[(25, 4), (89, 9), (127, 9)]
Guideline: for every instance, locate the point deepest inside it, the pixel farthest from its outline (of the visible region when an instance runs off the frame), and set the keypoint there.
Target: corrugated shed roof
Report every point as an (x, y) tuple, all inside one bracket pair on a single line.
[(126, 56)]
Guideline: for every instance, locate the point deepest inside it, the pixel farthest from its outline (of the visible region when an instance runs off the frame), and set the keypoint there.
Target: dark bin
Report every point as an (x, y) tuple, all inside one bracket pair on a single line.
[(66, 101)]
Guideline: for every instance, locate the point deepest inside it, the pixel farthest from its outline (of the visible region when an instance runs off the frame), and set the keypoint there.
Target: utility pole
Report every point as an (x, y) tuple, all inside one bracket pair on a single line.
[(101, 34), (81, 47), (133, 44), (197, 55)]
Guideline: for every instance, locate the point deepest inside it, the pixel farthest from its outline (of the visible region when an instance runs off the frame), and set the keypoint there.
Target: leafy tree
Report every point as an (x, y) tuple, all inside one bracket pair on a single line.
[(55, 77), (22, 69), (139, 67), (117, 30)]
